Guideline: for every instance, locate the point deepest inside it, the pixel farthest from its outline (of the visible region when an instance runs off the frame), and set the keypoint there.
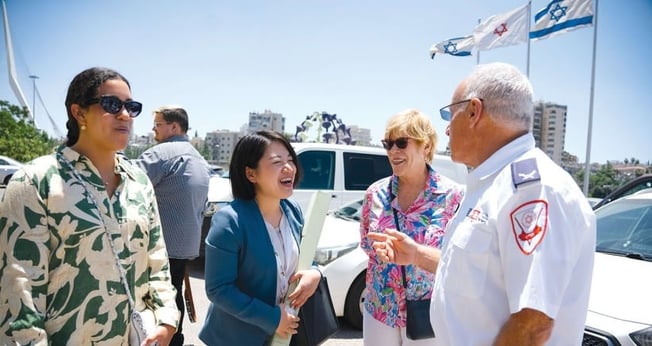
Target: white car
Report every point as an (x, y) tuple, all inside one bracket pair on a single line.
[(620, 307), (8, 167), (343, 262)]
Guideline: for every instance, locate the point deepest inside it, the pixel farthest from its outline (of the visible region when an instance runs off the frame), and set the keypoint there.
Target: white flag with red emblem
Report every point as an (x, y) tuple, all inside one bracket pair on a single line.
[(501, 30)]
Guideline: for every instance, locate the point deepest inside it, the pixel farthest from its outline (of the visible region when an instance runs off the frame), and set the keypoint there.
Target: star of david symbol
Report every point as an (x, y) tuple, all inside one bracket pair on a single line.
[(558, 12), (501, 29), (450, 47)]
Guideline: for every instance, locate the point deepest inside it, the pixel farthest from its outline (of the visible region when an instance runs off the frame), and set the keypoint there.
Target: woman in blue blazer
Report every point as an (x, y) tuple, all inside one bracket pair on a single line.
[(252, 248)]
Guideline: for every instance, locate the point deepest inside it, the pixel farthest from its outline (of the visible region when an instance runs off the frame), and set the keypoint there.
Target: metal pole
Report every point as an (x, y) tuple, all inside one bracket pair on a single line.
[(34, 78), (587, 164)]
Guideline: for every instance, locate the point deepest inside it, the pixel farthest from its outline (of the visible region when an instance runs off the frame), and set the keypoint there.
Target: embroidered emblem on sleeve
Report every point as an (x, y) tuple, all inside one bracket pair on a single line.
[(529, 224)]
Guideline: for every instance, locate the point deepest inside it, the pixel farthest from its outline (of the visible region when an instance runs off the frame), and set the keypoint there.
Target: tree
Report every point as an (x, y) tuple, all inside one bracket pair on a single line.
[(19, 139), (601, 182)]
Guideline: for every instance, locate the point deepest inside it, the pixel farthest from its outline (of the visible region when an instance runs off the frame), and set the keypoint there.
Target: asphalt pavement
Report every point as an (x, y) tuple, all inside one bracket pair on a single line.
[(347, 336)]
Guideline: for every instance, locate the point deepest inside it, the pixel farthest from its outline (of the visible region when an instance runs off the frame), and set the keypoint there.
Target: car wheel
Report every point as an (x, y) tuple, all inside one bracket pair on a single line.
[(7, 178), (355, 302)]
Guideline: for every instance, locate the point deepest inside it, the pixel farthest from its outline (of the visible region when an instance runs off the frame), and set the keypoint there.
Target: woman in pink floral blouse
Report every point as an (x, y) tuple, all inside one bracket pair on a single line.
[(422, 202)]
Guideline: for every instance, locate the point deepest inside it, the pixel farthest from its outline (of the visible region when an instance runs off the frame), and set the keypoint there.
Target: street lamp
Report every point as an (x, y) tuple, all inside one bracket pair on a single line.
[(34, 78)]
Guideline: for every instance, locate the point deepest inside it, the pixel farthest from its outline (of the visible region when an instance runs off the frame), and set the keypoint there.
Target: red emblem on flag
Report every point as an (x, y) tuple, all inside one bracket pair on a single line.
[(501, 29), (529, 224)]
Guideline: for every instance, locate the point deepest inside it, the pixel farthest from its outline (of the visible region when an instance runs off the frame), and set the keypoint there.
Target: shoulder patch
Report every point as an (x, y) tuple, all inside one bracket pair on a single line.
[(525, 171), (529, 224)]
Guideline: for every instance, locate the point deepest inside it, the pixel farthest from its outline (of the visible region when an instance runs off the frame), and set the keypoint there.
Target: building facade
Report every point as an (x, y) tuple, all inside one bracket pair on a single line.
[(549, 128), (266, 120), (221, 144)]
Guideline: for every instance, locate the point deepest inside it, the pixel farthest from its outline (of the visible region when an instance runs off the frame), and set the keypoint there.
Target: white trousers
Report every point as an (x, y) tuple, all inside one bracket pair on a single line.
[(376, 333)]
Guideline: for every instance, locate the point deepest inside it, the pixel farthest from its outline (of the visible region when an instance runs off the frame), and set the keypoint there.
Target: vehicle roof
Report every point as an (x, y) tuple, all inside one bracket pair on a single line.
[(622, 190), (10, 160), (300, 146)]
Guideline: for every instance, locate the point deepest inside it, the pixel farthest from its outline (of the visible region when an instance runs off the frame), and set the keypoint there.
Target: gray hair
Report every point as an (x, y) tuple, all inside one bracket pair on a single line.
[(506, 94)]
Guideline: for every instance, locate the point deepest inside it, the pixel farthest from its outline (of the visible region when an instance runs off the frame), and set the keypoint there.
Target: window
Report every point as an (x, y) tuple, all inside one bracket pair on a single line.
[(318, 170), (361, 170)]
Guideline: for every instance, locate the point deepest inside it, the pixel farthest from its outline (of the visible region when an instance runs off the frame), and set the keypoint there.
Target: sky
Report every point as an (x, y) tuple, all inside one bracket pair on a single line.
[(364, 60)]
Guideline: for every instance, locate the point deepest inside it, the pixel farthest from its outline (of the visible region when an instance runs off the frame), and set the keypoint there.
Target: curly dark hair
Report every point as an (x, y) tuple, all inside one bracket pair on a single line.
[(83, 88)]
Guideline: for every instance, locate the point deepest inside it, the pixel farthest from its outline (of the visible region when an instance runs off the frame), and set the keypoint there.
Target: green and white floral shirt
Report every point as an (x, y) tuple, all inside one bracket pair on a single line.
[(59, 282)]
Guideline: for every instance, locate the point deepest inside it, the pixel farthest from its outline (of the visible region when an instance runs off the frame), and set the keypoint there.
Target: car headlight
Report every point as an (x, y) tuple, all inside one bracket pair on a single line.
[(642, 337), (212, 207), (323, 256)]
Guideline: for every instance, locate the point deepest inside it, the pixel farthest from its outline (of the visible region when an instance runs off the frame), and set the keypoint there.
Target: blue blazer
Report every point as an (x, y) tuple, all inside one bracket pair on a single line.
[(240, 275)]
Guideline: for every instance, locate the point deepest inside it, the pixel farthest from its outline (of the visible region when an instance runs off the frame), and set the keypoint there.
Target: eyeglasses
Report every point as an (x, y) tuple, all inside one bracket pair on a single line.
[(113, 105), (446, 112), (401, 143)]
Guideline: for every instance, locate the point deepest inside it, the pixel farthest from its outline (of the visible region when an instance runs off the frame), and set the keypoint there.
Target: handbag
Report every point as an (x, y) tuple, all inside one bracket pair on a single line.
[(317, 318), (418, 317), (417, 311)]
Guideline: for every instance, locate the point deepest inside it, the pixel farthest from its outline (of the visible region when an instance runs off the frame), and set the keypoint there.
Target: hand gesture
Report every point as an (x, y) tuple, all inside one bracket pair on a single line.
[(394, 246)]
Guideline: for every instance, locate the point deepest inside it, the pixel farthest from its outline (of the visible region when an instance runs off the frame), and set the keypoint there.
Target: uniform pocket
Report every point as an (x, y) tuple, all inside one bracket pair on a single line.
[(469, 261)]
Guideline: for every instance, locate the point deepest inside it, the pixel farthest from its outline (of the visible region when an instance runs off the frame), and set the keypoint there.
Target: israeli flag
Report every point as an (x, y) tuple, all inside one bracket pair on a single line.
[(561, 16), (458, 46)]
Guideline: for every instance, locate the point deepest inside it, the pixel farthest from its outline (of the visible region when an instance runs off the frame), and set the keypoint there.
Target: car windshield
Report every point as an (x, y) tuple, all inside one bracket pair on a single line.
[(624, 228), (350, 211)]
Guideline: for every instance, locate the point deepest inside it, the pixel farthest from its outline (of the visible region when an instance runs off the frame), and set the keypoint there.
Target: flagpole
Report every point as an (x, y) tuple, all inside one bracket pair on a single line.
[(587, 165), (529, 16), (477, 58)]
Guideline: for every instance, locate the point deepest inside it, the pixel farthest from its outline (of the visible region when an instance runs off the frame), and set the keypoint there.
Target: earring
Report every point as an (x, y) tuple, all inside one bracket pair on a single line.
[(83, 127)]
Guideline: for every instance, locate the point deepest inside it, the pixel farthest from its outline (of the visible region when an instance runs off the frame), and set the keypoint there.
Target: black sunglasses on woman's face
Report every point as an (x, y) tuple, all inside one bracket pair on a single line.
[(401, 143), (113, 105)]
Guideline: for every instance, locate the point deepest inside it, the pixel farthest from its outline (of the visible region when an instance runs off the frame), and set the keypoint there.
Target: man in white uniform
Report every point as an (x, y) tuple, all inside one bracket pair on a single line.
[(515, 267)]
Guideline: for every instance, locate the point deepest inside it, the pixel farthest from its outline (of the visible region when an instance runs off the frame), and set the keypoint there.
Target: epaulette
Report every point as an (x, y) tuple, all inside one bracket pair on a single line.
[(525, 171)]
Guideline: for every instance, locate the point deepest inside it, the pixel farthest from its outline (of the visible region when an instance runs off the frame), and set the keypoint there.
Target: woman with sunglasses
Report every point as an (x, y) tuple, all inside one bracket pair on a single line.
[(415, 200), (80, 237)]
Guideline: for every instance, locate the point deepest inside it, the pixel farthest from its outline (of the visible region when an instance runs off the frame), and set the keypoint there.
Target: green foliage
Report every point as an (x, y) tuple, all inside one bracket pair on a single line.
[(134, 151), (205, 151), (19, 139), (602, 182)]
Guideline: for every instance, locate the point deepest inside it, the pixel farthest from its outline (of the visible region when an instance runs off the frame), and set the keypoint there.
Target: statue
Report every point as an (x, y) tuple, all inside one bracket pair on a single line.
[(330, 129)]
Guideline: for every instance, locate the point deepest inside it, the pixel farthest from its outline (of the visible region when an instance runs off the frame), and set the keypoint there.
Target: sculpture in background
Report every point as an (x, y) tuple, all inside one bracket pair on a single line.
[(329, 128)]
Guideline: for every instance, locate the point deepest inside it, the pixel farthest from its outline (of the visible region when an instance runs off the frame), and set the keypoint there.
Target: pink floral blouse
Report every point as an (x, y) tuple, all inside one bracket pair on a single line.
[(424, 221)]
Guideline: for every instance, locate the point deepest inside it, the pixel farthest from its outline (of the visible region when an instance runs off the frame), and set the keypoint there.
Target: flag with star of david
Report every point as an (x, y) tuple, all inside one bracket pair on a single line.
[(502, 30), (458, 46), (561, 16)]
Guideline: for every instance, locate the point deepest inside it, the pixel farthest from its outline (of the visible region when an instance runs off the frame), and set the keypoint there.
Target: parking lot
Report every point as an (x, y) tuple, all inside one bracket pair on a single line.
[(345, 337)]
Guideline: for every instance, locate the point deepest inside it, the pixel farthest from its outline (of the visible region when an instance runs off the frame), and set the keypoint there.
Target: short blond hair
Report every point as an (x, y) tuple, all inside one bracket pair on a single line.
[(416, 125)]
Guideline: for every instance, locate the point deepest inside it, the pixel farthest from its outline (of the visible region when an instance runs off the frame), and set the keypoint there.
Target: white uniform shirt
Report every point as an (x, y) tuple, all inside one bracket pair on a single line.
[(514, 247)]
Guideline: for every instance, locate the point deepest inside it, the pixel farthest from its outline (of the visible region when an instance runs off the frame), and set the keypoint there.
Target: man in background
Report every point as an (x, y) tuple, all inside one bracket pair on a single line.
[(180, 177)]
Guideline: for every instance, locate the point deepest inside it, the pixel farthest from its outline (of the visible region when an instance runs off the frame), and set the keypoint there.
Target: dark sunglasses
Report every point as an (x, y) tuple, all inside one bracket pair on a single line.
[(401, 143), (113, 105)]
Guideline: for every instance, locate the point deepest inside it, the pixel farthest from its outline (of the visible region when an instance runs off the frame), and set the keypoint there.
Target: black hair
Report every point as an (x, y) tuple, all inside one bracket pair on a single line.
[(247, 153), (83, 88)]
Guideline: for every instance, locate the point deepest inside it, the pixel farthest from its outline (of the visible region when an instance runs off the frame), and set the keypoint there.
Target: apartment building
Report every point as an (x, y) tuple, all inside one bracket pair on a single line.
[(266, 120), (549, 128)]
